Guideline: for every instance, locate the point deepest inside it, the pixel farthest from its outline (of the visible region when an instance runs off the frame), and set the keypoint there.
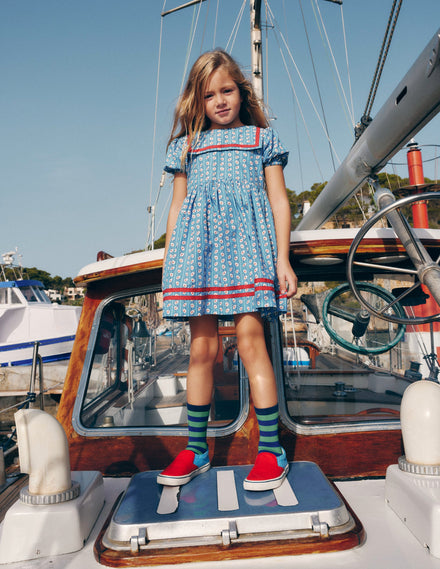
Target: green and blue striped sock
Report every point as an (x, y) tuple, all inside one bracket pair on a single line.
[(197, 426), (268, 424)]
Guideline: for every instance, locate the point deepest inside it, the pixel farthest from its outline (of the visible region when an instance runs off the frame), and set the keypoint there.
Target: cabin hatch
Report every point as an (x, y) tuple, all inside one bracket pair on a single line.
[(308, 509)]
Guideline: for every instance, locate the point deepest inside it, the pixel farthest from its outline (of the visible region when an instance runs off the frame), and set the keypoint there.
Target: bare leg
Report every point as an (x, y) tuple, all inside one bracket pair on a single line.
[(203, 351), (194, 460), (271, 465), (253, 353)]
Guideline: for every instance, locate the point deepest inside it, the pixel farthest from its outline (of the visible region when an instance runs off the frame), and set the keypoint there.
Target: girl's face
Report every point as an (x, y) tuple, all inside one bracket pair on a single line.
[(222, 100)]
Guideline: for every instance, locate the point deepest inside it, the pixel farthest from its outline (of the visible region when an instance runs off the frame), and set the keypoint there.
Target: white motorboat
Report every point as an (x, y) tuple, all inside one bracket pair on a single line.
[(27, 316)]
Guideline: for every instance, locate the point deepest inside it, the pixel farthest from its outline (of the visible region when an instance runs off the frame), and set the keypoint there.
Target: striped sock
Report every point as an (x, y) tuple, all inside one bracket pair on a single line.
[(268, 423), (197, 425)]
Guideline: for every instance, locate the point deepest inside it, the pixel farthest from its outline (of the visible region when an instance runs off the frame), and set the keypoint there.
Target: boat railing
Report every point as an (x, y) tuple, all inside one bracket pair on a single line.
[(31, 398), (6, 448), (3, 455), (37, 361)]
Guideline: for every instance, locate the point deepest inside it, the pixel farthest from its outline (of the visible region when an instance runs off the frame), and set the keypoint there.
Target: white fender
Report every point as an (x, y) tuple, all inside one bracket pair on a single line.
[(43, 451)]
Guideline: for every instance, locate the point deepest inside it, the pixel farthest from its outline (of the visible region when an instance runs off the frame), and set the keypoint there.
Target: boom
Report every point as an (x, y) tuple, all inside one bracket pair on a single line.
[(414, 102)]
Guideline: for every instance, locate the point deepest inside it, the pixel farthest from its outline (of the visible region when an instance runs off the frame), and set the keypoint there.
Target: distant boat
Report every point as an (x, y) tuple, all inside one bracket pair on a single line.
[(27, 316)]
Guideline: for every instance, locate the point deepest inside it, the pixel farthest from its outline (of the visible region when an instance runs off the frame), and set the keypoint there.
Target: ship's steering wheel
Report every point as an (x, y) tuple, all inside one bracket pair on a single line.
[(352, 327), (387, 312)]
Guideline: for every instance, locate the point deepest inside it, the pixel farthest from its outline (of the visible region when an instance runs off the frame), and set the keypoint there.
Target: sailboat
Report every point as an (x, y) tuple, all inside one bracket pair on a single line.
[(359, 415)]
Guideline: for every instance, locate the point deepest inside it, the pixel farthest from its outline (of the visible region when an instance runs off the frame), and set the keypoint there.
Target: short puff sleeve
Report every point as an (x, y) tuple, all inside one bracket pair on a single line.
[(173, 161), (273, 151)]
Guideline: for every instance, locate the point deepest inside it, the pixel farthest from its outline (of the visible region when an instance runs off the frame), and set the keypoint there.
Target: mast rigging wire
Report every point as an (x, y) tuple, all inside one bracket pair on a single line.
[(299, 107), (348, 66), (295, 114), (386, 42), (205, 25), (231, 41), (156, 106), (215, 26), (324, 118), (192, 35), (340, 89), (276, 27), (151, 209)]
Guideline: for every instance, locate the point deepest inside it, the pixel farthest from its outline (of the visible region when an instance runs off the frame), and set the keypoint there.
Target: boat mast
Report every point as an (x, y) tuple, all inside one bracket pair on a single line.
[(256, 48)]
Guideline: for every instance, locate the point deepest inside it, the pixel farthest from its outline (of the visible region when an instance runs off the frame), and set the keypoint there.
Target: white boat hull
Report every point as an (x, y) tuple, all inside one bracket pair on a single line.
[(52, 325), (50, 349)]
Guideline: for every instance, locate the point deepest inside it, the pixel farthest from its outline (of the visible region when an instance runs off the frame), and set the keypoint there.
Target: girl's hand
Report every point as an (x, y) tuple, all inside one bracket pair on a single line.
[(287, 278)]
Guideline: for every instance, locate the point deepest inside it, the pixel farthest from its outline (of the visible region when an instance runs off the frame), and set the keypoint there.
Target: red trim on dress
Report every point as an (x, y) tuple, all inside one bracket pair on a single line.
[(219, 292), (255, 144)]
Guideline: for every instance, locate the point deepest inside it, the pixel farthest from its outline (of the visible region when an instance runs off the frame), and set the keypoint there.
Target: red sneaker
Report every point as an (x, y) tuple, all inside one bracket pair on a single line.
[(268, 472), (184, 467)]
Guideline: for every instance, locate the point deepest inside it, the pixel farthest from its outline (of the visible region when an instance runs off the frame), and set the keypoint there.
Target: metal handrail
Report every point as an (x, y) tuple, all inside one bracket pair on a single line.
[(36, 358)]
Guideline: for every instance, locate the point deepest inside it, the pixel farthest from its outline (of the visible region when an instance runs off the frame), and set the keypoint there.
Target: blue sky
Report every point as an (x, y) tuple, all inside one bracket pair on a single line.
[(78, 107)]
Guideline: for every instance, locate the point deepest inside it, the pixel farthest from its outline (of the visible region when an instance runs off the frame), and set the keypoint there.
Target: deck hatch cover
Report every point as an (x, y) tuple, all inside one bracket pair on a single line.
[(198, 520)]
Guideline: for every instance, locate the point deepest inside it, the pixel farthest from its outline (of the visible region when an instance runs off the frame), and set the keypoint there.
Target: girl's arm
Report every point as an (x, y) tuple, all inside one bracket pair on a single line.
[(276, 191), (179, 194)]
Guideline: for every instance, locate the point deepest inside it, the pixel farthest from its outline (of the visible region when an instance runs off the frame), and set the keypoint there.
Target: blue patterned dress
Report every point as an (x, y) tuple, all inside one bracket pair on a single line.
[(222, 254)]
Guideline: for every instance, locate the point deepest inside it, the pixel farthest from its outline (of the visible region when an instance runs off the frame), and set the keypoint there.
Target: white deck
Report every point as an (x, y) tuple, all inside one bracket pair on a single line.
[(389, 544)]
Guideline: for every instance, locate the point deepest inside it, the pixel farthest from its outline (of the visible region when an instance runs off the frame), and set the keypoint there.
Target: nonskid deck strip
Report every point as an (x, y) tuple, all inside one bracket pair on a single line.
[(227, 499), (169, 500), (284, 495)]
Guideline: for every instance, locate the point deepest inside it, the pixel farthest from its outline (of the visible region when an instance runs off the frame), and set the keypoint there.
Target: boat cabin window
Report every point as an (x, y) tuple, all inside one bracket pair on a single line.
[(15, 298), (34, 294), (135, 372), (9, 295), (337, 368), (342, 367), (29, 294), (41, 295)]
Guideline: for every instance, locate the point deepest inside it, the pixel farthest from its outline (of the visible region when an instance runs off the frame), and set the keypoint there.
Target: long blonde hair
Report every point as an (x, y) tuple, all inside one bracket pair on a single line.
[(189, 115)]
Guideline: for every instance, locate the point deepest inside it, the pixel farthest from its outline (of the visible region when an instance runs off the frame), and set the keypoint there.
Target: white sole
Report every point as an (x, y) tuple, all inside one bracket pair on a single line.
[(181, 480), (261, 485)]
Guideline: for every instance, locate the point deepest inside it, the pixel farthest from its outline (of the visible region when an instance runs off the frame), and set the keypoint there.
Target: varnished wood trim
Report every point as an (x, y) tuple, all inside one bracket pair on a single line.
[(118, 271), (341, 455), (346, 455), (335, 247)]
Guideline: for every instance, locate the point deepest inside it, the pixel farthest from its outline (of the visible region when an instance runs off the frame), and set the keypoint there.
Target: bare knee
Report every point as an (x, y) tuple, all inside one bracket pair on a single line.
[(204, 351), (251, 348), (251, 342)]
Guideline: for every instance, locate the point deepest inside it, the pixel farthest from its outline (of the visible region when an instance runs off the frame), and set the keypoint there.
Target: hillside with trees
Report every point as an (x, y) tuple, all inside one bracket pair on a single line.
[(361, 205)]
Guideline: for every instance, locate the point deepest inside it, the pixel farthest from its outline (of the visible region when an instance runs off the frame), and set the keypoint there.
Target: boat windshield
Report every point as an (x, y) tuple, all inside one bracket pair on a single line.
[(34, 294), (9, 295), (41, 294), (135, 372), (331, 376), (137, 366)]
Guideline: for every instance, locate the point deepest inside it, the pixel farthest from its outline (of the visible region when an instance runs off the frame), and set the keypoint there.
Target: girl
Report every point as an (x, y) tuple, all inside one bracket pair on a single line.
[(226, 251)]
